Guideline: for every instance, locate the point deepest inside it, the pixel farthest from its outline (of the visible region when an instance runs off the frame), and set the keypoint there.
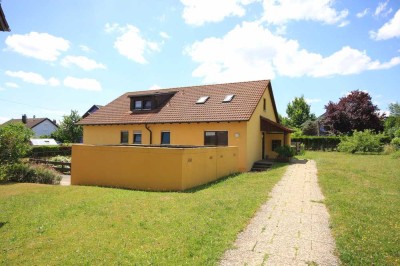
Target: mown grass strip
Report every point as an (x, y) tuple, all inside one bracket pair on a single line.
[(44, 224), (363, 197)]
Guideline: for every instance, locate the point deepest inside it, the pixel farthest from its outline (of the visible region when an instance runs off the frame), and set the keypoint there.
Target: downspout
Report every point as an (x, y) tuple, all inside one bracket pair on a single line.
[(151, 133)]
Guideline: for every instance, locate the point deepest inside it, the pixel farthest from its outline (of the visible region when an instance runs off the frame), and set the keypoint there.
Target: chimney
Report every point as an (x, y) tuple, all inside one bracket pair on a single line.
[(24, 119), (54, 122)]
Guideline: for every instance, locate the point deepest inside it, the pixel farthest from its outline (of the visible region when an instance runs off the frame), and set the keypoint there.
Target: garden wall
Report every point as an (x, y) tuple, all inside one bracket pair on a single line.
[(151, 168)]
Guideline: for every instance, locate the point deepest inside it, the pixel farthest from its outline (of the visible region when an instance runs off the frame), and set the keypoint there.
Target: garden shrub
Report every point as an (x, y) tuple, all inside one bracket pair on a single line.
[(60, 158), (361, 141), (14, 142), (389, 148), (396, 141), (396, 155), (285, 151), (22, 172)]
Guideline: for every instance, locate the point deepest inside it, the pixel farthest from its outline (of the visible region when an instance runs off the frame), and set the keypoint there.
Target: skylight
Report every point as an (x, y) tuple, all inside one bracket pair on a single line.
[(228, 98), (203, 99)]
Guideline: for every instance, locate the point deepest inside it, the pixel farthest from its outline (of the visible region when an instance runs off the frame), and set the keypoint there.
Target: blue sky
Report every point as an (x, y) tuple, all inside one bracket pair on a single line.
[(62, 55)]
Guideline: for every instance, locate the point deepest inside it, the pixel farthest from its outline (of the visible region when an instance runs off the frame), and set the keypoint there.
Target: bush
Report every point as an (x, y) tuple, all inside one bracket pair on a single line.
[(396, 155), (389, 148), (27, 173), (60, 158), (285, 151), (396, 142), (361, 141), (14, 142)]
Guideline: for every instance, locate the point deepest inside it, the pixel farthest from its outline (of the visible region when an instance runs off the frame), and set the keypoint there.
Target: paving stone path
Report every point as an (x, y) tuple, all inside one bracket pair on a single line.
[(291, 228)]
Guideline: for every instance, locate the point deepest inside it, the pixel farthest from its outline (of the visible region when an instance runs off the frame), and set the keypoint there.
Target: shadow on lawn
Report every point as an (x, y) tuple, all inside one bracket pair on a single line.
[(3, 224), (298, 161), (223, 179)]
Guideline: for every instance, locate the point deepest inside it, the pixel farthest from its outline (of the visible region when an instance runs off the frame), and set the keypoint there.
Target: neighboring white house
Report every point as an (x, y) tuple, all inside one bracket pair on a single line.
[(40, 126)]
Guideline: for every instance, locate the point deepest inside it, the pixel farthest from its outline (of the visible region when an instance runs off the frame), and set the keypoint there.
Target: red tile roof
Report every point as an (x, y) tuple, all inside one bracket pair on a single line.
[(182, 106), (30, 122)]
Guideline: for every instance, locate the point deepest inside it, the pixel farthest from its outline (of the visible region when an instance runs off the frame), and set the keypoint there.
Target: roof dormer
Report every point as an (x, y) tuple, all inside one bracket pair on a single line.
[(149, 102)]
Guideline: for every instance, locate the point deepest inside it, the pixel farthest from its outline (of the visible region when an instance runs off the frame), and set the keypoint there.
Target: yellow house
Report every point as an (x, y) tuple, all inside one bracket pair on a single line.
[(241, 114)]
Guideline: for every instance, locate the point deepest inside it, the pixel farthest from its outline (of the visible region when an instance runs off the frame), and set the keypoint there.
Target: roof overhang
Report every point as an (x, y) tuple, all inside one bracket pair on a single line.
[(3, 22), (270, 126)]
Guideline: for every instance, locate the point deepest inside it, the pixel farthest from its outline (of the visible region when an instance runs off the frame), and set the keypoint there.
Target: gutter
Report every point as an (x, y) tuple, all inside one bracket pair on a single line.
[(151, 133)]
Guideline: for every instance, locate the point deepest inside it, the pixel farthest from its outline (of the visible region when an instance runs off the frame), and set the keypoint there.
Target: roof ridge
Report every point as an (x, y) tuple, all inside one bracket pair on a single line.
[(204, 85)]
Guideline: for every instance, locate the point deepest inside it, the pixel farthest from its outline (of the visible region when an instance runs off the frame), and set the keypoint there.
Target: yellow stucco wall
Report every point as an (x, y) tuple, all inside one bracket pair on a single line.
[(181, 134), (254, 140), (134, 167)]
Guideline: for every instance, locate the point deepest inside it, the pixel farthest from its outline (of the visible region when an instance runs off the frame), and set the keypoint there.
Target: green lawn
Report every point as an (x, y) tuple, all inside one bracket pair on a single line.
[(44, 224), (363, 197)]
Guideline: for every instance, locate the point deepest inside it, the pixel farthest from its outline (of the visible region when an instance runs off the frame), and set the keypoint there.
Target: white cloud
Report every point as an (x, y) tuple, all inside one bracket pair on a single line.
[(34, 78), (381, 9), (282, 11), (250, 51), (390, 29), (164, 35), (82, 62), (131, 43), (11, 85), (111, 27), (363, 13), (82, 84), (199, 12), (85, 48), (310, 101), (42, 46), (344, 23), (155, 87)]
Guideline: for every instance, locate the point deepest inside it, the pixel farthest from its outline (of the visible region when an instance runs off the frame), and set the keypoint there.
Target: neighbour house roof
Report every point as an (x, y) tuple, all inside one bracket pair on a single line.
[(182, 106), (3, 22), (91, 110), (43, 142), (30, 122)]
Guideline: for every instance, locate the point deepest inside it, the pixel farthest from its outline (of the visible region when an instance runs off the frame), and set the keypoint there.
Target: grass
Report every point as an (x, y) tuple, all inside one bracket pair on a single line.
[(363, 197), (45, 224)]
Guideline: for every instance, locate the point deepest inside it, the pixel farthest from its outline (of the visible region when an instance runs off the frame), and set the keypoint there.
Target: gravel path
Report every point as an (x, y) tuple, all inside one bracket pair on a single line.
[(291, 228), (66, 180)]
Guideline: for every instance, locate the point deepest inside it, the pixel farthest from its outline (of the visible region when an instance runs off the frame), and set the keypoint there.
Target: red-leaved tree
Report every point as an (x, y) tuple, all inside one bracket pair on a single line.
[(353, 112)]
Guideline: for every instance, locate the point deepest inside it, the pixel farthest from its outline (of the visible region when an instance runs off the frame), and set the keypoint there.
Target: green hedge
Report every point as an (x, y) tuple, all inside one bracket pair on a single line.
[(49, 151), (318, 143)]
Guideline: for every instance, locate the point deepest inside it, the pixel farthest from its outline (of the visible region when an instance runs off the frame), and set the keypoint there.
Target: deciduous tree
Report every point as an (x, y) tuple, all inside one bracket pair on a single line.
[(353, 112), (298, 112), (68, 131)]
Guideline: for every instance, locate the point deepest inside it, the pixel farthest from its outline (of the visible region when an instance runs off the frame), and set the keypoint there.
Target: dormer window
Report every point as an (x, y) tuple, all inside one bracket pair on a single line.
[(138, 105), (202, 99), (149, 102), (228, 98), (147, 105)]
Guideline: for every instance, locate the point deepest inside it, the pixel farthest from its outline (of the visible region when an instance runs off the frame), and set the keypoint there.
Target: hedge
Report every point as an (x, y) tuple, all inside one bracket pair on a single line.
[(318, 143), (326, 142), (49, 151)]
